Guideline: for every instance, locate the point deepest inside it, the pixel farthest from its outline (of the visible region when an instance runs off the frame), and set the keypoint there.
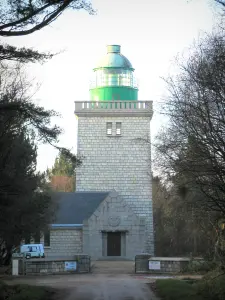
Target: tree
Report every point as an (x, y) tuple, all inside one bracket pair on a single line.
[(16, 102), (180, 228), (62, 174), (25, 202), (24, 209), (23, 17), (192, 147), (160, 216)]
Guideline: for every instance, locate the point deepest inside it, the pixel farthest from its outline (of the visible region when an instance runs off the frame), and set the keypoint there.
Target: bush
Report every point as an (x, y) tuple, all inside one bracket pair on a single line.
[(212, 286), (200, 266), (26, 292), (23, 292), (172, 289), (3, 290)]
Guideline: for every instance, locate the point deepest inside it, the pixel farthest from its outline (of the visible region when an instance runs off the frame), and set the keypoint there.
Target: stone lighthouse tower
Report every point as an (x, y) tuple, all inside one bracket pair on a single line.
[(114, 141)]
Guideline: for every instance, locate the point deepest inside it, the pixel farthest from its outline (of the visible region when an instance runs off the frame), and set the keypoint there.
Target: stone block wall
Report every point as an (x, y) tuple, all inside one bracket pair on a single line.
[(64, 242), (120, 163), (56, 266), (167, 264)]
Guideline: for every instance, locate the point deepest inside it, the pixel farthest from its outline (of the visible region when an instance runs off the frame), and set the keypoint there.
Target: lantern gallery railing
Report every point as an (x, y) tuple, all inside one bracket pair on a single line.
[(113, 105)]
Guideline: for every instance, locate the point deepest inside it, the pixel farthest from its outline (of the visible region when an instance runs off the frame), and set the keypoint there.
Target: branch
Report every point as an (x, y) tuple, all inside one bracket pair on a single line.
[(221, 2), (22, 55), (39, 26), (24, 19)]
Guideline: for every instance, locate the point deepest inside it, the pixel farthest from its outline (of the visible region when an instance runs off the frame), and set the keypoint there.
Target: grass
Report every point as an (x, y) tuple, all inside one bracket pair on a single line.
[(24, 292), (173, 289), (210, 287)]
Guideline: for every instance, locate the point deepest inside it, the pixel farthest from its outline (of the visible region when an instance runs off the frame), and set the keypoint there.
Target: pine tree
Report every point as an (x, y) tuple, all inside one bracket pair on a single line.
[(63, 173)]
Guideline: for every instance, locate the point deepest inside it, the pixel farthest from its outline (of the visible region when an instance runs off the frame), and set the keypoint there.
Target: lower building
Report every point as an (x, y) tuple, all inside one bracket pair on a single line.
[(100, 224)]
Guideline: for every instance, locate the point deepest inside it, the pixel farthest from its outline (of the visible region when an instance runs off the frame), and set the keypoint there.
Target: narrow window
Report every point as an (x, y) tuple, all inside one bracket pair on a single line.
[(118, 128), (47, 238), (109, 128)]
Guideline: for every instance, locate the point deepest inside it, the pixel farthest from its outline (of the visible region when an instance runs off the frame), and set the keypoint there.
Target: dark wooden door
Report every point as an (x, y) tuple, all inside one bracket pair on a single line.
[(114, 244)]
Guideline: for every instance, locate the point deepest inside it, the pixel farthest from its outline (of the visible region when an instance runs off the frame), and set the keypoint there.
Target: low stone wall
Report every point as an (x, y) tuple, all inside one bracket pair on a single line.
[(78, 264), (145, 263), (141, 263)]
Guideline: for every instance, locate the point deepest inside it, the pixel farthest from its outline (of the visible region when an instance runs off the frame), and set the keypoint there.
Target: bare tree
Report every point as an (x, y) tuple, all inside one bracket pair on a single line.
[(193, 144), (23, 17)]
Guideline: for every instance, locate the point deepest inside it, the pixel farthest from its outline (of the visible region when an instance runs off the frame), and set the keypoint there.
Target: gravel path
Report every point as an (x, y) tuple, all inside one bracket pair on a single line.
[(110, 280), (114, 288), (94, 286)]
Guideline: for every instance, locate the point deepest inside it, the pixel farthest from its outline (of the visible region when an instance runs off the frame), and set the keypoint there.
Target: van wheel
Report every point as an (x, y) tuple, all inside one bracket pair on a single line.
[(27, 256)]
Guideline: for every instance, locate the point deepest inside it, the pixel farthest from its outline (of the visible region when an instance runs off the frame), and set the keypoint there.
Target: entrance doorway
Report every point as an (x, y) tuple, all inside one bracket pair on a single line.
[(114, 244)]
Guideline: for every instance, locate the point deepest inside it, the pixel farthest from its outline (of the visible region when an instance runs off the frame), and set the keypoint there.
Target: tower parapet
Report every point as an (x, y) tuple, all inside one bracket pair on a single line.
[(114, 108)]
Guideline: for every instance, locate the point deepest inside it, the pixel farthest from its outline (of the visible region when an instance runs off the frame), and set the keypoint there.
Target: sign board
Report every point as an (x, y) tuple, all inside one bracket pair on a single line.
[(70, 265), (154, 265)]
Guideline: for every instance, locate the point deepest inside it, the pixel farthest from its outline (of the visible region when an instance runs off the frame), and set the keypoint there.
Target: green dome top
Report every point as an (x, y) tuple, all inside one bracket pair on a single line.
[(114, 59)]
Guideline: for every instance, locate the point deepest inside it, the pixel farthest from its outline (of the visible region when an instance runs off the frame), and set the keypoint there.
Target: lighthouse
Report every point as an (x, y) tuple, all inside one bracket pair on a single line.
[(113, 140)]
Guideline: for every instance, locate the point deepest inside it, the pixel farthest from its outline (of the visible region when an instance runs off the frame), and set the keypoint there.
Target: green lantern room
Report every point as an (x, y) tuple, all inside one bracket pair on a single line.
[(113, 78)]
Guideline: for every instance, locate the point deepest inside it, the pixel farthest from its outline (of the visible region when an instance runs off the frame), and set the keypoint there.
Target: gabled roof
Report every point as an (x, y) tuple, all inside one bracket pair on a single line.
[(74, 208)]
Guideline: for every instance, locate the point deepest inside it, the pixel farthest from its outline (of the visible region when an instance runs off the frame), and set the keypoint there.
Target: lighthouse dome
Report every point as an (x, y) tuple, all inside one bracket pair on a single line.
[(114, 59), (113, 77)]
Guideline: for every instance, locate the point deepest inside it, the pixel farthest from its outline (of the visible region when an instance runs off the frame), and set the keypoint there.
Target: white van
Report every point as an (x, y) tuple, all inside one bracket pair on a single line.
[(32, 250)]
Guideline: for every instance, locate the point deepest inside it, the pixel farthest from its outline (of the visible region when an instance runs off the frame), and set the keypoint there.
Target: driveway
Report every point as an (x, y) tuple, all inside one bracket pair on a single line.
[(95, 286), (109, 280), (112, 288)]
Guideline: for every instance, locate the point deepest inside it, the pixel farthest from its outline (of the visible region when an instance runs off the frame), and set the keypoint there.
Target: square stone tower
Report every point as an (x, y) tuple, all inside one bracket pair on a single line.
[(114, 139)]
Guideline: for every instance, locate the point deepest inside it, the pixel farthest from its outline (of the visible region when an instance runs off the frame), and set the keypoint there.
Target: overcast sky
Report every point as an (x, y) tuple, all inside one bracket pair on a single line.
[(151, 33)]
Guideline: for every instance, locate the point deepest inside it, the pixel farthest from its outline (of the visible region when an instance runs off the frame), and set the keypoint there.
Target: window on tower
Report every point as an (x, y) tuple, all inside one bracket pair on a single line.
[(118, 128), (109, 128)]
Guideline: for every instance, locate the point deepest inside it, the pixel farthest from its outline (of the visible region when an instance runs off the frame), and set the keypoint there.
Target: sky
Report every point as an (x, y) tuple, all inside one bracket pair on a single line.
[(151, 33)]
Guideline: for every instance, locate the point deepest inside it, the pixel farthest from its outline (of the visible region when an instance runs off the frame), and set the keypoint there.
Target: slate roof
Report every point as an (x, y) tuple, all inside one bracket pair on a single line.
[(73, 208)]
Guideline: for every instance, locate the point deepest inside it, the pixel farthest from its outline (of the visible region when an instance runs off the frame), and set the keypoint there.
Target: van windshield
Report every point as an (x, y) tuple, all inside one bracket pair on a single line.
[(25, 248)]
